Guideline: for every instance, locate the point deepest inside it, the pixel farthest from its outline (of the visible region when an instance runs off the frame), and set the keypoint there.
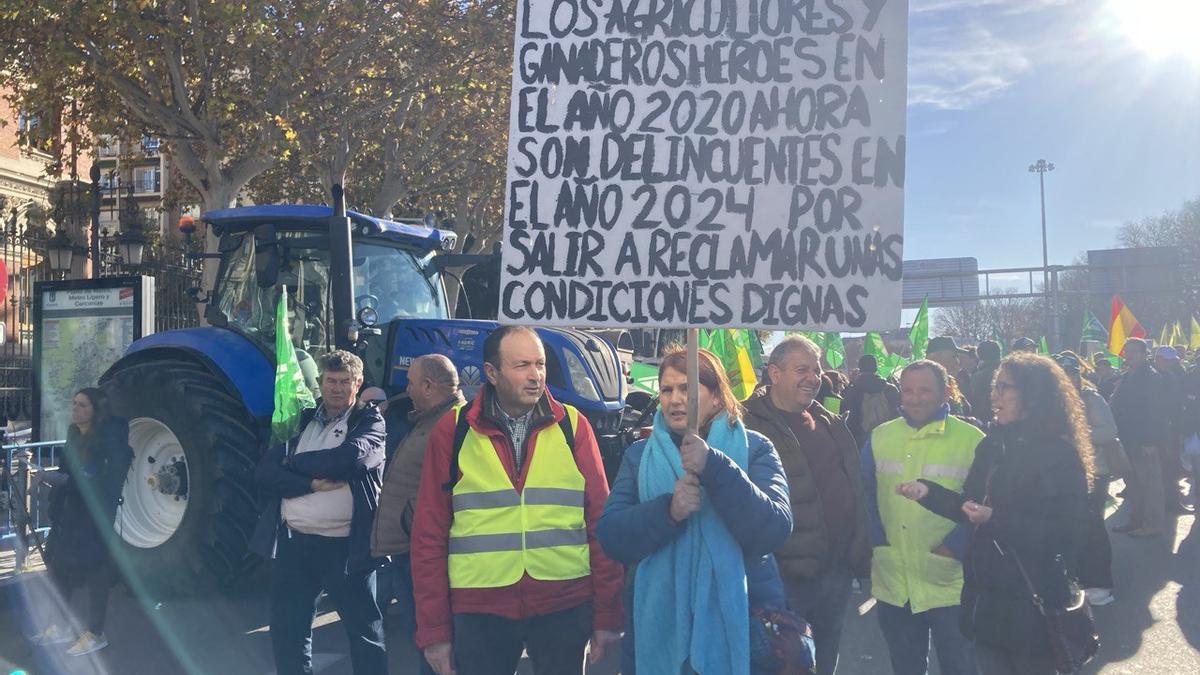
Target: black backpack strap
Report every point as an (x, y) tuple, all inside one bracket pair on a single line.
[(460, 435), (567, 431)]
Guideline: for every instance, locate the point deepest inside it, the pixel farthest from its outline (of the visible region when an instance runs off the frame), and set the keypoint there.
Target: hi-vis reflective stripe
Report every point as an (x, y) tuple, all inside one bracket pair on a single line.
[(556, 496), (944, 471), (502, 498), (489, 543), (485, 543), (548, 538), (485, 500), (889, 466)]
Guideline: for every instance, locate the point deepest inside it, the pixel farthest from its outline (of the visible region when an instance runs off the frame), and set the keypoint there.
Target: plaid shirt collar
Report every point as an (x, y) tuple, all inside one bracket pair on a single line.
[(322, 418)]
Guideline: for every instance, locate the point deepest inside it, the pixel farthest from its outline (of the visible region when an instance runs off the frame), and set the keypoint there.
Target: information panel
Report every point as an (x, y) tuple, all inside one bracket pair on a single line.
[(706, 163), (81, 328)]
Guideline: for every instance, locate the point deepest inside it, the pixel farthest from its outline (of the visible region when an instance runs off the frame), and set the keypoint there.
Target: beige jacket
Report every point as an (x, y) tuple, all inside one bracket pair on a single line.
[(393, 518)]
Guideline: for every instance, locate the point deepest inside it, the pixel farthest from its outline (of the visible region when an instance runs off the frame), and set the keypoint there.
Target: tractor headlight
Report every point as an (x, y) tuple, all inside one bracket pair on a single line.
[(368, 317), (580, 381)]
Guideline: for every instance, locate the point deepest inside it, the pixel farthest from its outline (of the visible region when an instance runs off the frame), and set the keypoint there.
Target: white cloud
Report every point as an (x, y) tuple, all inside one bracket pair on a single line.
[(1008, 6), (963, 53), (955, 69)]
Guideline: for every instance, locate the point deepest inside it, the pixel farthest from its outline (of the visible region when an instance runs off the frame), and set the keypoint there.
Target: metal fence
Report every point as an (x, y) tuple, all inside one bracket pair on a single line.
[(23, 256), (25, 500)]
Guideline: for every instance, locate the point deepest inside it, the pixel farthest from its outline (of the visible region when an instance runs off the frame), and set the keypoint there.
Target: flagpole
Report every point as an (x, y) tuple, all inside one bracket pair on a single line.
[(693, 380)]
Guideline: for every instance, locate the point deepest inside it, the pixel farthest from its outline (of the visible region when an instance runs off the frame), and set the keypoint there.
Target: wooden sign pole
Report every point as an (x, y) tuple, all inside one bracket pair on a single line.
[(693, 380)]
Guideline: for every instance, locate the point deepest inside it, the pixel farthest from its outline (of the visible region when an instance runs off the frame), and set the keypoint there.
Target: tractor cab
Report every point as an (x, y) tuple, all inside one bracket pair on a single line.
[(264, 249)]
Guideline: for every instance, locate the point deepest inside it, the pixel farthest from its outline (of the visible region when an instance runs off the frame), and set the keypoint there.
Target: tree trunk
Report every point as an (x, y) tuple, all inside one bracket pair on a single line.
[(218, 196)]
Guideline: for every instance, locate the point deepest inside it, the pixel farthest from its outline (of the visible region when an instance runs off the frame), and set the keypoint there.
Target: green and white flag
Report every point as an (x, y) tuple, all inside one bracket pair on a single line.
[(918, 335), (1093, 330), (835, 349), (291, 395)]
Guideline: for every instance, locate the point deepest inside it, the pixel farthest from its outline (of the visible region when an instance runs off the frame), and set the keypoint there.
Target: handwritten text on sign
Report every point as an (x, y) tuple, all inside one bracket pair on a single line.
[(706, 163)]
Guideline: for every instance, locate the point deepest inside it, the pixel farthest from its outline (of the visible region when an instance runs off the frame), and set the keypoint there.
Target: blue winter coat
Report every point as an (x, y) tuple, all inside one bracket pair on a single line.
[(358, 461), (754, 505)]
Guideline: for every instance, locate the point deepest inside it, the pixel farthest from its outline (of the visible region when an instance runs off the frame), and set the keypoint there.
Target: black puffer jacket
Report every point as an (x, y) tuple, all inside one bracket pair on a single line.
[(1038, 492)]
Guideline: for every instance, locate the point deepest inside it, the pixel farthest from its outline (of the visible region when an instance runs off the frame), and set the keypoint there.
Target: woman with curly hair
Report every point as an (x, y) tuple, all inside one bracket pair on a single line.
[(1026, 495)]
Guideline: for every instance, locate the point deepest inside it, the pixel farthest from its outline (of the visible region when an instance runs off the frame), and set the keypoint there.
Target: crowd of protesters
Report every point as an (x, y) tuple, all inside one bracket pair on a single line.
[(964, 487)]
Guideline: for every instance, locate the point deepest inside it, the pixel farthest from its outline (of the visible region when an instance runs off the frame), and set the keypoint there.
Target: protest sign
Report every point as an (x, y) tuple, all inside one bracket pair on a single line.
[(706, 163)]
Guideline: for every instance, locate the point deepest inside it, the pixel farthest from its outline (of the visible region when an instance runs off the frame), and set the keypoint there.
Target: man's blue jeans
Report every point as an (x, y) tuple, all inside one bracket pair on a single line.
[(395, 581), (821, 601), (908, 636), (304, 565)]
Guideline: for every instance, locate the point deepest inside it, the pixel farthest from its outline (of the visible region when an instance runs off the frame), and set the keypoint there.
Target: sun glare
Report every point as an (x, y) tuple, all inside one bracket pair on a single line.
[(1160, 28)]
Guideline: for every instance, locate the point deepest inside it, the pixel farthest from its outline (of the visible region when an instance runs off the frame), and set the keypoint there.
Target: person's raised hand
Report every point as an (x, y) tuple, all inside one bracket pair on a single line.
[(693, 452), (441, 658), (977, 513), (913, 489), (686, 499)]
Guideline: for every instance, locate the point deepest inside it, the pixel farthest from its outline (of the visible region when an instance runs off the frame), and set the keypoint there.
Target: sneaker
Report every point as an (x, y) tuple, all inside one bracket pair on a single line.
[(1099, 597), (88, 643), (53, 635)]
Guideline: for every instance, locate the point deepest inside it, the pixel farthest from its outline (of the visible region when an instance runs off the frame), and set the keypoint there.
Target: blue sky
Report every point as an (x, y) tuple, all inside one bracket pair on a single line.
[(1107, 90)]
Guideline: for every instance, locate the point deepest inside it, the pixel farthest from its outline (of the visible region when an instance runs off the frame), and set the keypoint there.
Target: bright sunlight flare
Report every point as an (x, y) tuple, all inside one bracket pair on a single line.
[(1160, 28)]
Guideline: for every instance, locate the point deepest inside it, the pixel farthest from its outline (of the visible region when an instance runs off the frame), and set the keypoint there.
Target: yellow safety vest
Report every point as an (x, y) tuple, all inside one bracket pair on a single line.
[(498, 534), (906, 570)]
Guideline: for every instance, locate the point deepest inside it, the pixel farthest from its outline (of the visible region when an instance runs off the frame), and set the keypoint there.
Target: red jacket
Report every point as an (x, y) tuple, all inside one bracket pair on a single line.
[(436, 603)]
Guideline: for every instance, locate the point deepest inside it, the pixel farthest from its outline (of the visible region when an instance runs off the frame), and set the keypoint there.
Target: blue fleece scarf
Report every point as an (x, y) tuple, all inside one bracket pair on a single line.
[(690, 598)]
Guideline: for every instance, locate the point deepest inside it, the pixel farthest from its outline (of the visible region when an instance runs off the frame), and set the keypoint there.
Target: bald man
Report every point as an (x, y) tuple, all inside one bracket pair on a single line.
[(433, 389)]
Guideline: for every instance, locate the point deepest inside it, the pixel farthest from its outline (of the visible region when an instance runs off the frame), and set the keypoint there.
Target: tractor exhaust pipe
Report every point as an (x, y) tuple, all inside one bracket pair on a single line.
[(341, 280)]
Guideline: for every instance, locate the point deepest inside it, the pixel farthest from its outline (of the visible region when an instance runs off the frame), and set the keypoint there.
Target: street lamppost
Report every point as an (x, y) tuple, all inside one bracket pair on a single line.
[(1041, 168), (131, 241)]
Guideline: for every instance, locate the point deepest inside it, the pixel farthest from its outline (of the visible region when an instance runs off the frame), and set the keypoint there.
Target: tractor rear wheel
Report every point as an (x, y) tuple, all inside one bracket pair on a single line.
[(188, 506)]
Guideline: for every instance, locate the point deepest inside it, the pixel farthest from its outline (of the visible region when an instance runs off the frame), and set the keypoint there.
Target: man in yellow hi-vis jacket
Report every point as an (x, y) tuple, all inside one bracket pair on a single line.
[(503, 552), (916, 573)]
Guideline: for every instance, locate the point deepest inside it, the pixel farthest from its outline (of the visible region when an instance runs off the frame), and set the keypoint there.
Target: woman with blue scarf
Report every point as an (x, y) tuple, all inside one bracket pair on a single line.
[(694, 519)]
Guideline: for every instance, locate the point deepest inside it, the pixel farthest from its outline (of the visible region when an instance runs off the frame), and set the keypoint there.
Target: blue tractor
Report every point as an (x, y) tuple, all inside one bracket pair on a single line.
[(199, 400)]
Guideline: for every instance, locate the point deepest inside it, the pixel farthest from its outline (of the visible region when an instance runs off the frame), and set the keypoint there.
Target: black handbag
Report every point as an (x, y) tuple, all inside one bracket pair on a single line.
[(1070, 630)]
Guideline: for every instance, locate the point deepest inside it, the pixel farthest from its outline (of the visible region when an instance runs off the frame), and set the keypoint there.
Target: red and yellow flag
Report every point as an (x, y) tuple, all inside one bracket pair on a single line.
[(1122, 326)]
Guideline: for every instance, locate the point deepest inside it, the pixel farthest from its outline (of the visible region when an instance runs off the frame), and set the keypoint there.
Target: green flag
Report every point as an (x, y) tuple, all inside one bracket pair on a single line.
[(835, 350), (918, 335), (291, 394), (888, 364), (1093, 330), (732, 347), (1043, 348), (873, 345), (644, 376), (1177, 337)]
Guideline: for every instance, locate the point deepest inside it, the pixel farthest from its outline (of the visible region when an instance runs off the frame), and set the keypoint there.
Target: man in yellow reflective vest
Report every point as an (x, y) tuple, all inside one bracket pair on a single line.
[(504, 557), (916, 568)]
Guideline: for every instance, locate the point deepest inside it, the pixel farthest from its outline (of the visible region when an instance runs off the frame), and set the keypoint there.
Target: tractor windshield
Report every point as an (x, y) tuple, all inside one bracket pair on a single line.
[(394, 281)]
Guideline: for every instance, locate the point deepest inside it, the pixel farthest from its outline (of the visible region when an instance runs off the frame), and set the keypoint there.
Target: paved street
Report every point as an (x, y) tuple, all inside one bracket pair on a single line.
[(1154, 627)]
